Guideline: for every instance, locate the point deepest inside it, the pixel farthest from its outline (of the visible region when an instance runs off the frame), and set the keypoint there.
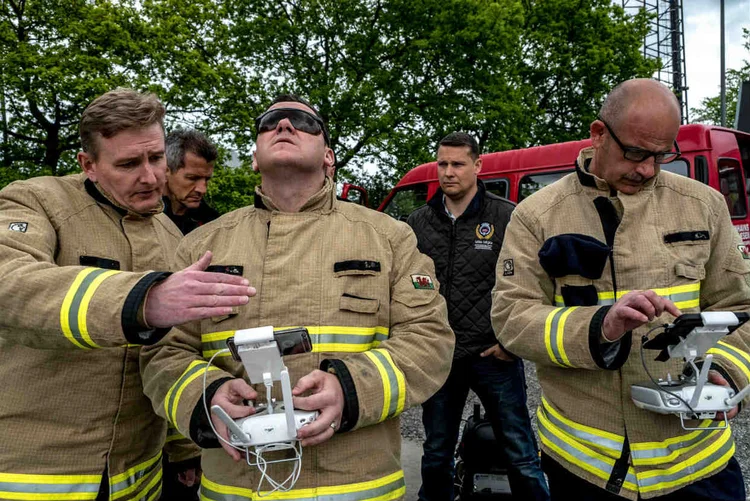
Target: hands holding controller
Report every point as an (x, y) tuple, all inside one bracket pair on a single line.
[(637, 308), (324, 394)]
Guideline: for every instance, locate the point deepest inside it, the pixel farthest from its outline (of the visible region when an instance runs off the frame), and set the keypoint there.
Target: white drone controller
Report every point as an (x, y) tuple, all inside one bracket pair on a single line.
[(274, 428), (260, 351), (691, 396)]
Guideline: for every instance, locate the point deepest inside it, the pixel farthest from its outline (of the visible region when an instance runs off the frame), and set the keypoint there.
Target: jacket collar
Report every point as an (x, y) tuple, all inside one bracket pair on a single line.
[(474, 207), (99, 194), (590, 180), (322, 201)]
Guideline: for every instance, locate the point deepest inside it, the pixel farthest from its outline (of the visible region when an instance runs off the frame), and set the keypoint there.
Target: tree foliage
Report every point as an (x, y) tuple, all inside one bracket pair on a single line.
[(232, 187), (709, 111), (390, 76)]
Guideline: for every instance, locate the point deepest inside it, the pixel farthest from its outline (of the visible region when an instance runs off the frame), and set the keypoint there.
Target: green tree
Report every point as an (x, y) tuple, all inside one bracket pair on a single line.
[(390, 76), (709, 111), (232, 187), (58, 56), (575, 51)]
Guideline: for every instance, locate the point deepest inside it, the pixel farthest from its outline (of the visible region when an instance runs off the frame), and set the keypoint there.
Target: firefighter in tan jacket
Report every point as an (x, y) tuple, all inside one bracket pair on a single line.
[(355, 279), (74, 259), (590, 264)]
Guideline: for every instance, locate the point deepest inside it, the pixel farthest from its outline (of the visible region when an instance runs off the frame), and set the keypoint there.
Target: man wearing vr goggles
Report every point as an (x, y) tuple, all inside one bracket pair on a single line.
[(355, 279)]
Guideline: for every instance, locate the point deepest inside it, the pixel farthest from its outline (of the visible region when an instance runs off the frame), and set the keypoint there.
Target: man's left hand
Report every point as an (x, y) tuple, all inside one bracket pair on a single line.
[(716, 378), (189, 477), (326, 397), (497, 352)]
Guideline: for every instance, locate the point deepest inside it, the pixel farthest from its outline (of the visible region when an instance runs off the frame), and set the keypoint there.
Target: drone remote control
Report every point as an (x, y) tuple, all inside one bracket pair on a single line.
[(262, 429), (712, 399), (690, 337)]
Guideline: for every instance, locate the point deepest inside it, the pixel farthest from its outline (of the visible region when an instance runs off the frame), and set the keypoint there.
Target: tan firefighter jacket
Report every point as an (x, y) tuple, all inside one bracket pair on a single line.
[(72, 398), (370, 302), (555, 278)]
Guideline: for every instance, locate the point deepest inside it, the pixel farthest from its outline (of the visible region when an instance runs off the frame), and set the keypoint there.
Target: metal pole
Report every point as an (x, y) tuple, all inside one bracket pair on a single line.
[(723, 74), (674, 34)]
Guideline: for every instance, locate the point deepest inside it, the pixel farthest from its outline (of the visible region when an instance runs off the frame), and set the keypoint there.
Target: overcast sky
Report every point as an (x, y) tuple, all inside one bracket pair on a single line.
[(702, 21)]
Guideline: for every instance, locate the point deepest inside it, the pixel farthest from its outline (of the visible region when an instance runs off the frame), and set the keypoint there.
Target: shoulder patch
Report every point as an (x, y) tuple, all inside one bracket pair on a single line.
[(508, 269), (744, 250), (422, 282), (20, 227)]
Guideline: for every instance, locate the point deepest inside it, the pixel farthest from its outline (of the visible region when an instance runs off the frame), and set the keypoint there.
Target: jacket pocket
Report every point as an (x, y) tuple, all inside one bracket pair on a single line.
[(356, 267), (579, 295), (574, 254), (686, 237), (358, 304), (99, 262), (689, 247), (690, 271)]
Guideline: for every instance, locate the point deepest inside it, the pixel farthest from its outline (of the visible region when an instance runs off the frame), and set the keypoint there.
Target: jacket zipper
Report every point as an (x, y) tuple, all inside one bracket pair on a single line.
[(451, 252)]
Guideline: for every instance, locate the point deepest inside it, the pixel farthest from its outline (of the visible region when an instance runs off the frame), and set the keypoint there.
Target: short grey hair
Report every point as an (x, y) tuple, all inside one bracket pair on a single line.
[(180, 141)]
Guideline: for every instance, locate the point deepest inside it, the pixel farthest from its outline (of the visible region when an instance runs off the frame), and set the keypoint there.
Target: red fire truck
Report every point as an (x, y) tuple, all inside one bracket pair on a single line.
[(715, 156)]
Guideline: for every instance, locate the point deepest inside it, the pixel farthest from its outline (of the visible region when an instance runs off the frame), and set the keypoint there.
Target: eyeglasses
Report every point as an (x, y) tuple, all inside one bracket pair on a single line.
[(639, 154), (300, 119)]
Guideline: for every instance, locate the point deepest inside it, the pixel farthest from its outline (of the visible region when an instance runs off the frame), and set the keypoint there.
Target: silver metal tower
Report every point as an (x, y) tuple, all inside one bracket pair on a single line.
[(665, 41)]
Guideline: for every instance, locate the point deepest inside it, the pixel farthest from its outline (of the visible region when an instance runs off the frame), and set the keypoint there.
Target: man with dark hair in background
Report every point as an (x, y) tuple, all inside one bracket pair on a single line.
[(461, 228), (190, 162), (190, 166)]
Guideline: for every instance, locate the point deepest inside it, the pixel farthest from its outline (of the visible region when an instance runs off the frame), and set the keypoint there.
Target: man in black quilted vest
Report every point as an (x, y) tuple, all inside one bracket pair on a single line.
[(461, 228)]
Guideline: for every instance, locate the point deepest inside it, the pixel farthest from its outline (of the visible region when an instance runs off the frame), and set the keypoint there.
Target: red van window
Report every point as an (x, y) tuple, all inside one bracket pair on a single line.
[(701, 169), (532, 184), (679, 166), (730, 186), (499, 186), (406, 200)]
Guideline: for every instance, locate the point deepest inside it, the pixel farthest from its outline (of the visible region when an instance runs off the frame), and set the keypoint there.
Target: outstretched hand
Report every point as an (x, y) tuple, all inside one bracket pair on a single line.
[(194, 294)]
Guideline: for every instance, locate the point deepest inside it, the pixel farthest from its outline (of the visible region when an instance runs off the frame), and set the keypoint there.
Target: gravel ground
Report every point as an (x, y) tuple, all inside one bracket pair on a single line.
[(411, 422)]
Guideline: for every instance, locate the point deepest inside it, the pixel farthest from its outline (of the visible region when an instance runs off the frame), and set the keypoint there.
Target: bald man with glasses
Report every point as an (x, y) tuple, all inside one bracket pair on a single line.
[(590, 264)]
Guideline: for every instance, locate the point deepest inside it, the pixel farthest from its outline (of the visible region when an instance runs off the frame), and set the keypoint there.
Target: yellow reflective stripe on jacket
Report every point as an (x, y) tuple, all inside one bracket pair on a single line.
[(386, 488), (703, 463), (130, 483), (554, 331), (173, 434), (739, 358), (76, 304), (171, 401), (324, 338), (609, 444), (668, 451), (577, 451), (49, 487), (683, 296), (394, 385)]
